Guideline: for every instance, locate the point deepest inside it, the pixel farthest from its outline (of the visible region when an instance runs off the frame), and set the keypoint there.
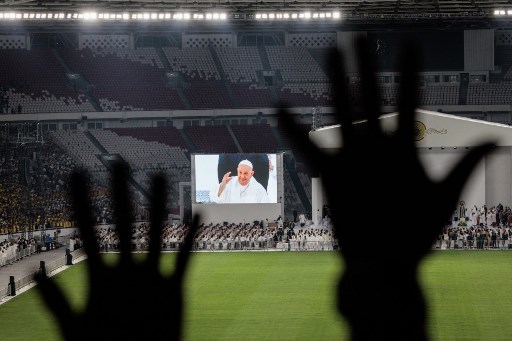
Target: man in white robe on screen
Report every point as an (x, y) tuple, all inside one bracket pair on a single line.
[(246, 189)]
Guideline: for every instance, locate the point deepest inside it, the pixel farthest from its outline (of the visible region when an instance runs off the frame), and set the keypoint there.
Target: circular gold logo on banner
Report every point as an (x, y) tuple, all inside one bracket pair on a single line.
[(419, 130)]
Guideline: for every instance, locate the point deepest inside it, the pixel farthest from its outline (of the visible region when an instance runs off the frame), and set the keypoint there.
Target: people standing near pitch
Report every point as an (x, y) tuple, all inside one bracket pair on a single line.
[(245, 190)]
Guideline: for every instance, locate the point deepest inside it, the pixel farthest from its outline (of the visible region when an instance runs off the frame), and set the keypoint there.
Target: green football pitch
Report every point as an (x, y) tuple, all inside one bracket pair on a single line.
[(289, 296)]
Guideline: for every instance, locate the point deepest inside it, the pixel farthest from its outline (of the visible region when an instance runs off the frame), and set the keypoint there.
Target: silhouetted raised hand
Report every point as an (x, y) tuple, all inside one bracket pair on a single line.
[(130, 300), (386, 211)]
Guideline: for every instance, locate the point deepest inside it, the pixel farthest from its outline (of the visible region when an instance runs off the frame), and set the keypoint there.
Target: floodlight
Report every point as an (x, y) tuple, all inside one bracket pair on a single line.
[(89, 16), (186, 16), (153, 16)]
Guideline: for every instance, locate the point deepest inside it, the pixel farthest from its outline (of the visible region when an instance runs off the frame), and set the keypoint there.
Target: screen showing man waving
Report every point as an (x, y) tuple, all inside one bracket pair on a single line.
[(236, 178)]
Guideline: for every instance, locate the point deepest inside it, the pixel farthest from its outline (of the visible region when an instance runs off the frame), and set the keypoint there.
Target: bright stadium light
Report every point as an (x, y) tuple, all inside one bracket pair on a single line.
[(90, 16)]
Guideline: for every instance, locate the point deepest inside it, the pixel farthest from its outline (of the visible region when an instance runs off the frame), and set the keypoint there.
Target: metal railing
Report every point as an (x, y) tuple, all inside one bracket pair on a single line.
[(50, 267)]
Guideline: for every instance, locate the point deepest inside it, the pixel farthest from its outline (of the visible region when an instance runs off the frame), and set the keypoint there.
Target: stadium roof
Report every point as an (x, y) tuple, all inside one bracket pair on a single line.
[(476, 11)]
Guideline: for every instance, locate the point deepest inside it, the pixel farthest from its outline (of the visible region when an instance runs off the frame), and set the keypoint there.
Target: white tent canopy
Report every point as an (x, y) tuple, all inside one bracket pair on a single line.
[(441, 140)]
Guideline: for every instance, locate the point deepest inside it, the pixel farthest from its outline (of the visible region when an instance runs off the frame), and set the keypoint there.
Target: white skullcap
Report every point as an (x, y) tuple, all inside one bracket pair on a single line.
[(245, 162)]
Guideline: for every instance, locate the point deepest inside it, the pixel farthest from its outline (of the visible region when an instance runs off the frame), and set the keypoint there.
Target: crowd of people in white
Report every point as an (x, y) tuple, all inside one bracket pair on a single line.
[(481, 228), (227, 236), (13, 249)]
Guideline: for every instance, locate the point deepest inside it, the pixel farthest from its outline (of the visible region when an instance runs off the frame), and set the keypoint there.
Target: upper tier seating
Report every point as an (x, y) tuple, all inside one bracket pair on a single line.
[(490, 93), (255, 138), (35, 80), (124, 79), (240, 64), (295, 64), (211, 139), (167, 135), (193, 63)]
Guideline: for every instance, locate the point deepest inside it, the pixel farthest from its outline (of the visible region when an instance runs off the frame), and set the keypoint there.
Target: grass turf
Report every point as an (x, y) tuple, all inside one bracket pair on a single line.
[(289, 296)]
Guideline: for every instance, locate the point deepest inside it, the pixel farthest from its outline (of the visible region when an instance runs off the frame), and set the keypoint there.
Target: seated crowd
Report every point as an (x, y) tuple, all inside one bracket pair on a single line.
[(225, 237)]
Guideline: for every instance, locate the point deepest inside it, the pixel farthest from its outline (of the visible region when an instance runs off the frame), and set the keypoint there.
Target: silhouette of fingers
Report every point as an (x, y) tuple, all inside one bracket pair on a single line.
[(158, 204), (54, 298), (79, 185), (122, 208), (341, 95), (184, 253), (370, 91)]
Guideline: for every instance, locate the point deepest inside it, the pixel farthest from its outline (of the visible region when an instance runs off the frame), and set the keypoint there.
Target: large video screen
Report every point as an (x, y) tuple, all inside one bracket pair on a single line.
[(235, 178)]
